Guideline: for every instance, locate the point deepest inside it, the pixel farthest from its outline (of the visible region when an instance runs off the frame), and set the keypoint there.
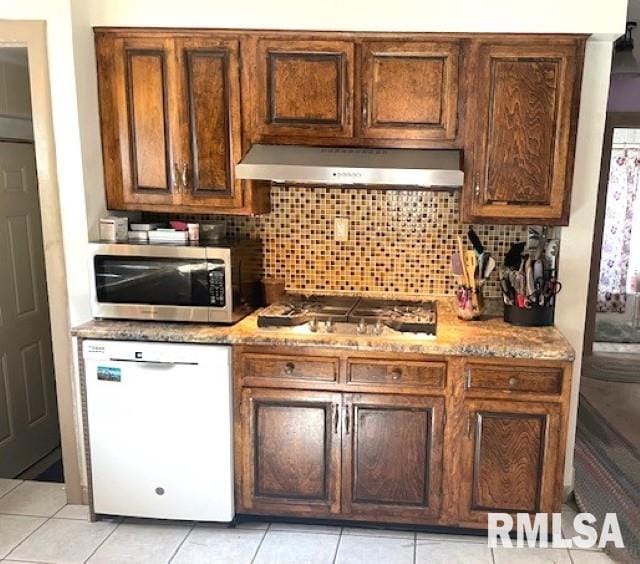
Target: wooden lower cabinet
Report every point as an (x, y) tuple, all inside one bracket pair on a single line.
[(391, 461), (510, 458), (392, 456), (291, 455), (321, 444)]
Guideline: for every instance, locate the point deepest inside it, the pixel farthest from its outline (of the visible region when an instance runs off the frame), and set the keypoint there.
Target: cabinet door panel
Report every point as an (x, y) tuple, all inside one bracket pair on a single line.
[(136, 76), (392, 456), (410, 90), (147, 94), (526, 115), (211, 121), (508, 460), (303, 88), (292, 451), (511, 457), (522, 123)]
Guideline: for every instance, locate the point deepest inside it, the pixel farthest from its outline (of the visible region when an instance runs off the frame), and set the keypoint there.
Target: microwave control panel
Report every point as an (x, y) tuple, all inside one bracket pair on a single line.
[(217, 287)]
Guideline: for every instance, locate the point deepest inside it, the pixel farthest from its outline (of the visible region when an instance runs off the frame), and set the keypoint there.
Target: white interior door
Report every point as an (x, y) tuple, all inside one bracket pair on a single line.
[(28, 410)]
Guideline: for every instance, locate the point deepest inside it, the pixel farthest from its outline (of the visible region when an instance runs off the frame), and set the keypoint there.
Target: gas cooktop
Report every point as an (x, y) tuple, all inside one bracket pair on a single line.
[(334, 314)]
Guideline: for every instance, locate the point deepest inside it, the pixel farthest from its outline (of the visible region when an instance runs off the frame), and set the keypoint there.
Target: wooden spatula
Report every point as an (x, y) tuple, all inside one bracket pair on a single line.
[(471, 264), (461, 254), (458, 269)]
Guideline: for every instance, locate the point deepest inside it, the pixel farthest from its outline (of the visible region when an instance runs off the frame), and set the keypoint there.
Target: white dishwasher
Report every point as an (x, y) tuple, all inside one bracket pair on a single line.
[(160, 429)]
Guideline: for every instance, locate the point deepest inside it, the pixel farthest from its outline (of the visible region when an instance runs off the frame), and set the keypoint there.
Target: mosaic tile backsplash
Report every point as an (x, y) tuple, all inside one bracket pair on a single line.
[(400, 242)]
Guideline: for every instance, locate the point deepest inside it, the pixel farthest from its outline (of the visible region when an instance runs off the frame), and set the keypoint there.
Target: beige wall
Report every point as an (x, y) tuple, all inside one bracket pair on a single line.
[(32, 34), (543, 16), (66, 128), (575, 249), (75, 104)]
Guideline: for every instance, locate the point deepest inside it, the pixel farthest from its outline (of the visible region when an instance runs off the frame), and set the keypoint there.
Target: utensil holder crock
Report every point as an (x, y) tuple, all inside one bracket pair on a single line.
[(472, 306), (535, 316)]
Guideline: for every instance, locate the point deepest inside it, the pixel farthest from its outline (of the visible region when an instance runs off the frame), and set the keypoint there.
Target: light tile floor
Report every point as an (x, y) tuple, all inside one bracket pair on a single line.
[(37, 526)]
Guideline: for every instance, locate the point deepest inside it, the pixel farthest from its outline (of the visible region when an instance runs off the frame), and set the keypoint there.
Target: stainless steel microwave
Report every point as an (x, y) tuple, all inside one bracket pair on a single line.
[(216, 283)]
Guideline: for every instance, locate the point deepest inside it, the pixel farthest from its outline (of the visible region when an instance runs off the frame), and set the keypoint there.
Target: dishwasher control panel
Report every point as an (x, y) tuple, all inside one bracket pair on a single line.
[(136, 351)]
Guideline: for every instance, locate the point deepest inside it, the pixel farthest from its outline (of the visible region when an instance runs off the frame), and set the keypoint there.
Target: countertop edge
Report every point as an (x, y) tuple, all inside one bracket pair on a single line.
[(234, 335)]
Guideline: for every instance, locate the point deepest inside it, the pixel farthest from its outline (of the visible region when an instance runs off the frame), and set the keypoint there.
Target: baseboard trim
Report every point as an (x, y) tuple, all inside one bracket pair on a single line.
[(85, 495)]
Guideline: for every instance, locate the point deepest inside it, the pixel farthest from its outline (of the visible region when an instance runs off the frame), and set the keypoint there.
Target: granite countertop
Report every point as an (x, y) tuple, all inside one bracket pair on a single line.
[(489, 336)]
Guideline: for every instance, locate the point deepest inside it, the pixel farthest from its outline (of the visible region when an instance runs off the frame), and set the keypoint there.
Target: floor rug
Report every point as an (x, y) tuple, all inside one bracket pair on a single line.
[(613, 367), (607, 478), (608, 332)]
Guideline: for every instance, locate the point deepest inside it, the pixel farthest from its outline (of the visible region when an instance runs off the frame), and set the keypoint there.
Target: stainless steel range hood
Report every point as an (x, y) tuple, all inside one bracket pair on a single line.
[(293, 164)]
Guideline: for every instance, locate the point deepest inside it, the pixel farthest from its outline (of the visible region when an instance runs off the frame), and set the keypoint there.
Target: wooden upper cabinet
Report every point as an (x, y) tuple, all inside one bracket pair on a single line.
[(525, 110), (510, 455), (136, 75), (210, 121), (291, 452), (171, 122), (304, 88), (392, 456), (409, 90)]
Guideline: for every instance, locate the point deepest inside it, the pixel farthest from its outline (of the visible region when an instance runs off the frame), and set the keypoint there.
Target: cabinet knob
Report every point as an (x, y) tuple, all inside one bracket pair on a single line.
[(289, 368), (513, 382), (396, 374)]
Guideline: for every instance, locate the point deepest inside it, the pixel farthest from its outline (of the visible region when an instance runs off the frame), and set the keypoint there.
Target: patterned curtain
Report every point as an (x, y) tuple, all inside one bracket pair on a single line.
[(621, 194)]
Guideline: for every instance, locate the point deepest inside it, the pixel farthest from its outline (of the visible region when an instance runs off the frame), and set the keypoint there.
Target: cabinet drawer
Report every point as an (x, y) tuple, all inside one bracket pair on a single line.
[(516, 379), (405, 373), (290, 367)]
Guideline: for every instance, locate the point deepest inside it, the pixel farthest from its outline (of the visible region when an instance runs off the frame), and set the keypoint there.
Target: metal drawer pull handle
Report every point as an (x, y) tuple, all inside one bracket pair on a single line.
[(513, 382), (365, 108), (289, 368), (185, 176), (347, 419), (336, 418), (176, 178), (396, 374)]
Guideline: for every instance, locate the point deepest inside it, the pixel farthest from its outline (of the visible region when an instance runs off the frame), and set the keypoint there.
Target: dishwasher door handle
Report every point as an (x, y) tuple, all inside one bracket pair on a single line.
[(156, 365), (153, 363)]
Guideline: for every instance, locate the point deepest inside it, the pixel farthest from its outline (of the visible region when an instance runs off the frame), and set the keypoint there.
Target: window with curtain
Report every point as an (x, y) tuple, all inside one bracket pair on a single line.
[(620, 242)]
